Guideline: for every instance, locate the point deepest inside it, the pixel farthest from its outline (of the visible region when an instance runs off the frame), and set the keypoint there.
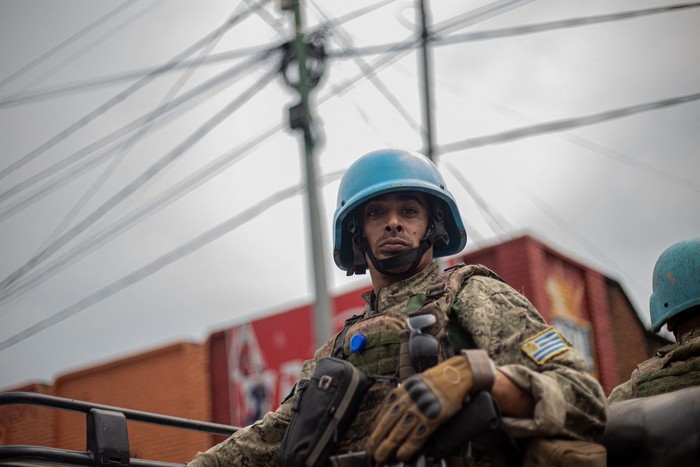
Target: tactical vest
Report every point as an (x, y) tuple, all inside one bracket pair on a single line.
[(676, 367), (384, 355)]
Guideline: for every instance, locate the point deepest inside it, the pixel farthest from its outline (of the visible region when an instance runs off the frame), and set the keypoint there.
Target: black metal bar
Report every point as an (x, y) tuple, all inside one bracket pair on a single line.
[(21, 456), (149, 463), (31, 398), (44, 454)]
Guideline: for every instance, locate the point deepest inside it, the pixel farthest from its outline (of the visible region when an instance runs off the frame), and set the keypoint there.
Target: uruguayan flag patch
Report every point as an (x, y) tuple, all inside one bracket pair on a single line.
[(544, 345)]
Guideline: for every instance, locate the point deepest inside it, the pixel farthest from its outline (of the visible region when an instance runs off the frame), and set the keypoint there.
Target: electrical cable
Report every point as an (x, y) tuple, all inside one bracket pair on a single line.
[(345, 41), (560, 24), (83, 85), (439, 41), (125, 148), (477, 15), (130, 188), (562, 125), (93, 83), (65, 43), (123, 224), (169, 196), (493, 217), (92, 115), (162, 261), (348, 81), (630, 161), (166, 197), (547, 26), (203, 91), (573, 232), (87, 48)]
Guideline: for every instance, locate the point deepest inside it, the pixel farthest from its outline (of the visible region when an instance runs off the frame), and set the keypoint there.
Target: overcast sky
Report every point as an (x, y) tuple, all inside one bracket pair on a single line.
[(136, 258)]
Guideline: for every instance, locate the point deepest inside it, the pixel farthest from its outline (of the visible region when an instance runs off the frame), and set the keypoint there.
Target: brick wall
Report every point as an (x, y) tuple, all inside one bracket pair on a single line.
[(600, 314), (218, 368), (524, 263), (633, 343), (172, 380), (28, 424)]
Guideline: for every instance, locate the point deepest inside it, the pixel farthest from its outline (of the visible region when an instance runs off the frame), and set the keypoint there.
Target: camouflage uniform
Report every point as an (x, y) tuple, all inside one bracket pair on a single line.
[(569, 402), (675, 366)]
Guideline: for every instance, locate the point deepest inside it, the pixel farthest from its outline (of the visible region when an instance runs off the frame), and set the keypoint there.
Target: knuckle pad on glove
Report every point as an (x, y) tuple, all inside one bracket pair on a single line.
[(424, 398)]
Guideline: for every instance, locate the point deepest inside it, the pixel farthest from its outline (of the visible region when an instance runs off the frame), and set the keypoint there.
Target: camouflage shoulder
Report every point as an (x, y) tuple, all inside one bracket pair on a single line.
[(623, 392)]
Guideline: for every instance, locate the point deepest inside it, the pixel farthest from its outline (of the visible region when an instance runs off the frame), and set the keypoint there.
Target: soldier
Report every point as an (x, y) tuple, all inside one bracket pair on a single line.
[(445, 336), (675, 302)]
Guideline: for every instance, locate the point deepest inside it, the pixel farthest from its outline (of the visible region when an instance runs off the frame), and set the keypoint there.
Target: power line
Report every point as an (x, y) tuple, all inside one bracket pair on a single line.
[(210, 86), (346, 52), (630, 161), (83, 85), (66, 42), (107, 35), (372, 77), (228, 24), (560, 24), (503, 225), (165, 198), (161, 262), (439, 40), (564, 225), (479, 14), (561, 125), (125, 148), (130, 188), (157, 203)]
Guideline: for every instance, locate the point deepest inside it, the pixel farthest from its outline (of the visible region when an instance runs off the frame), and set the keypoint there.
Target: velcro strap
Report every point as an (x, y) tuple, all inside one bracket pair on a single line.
[(483, 369)]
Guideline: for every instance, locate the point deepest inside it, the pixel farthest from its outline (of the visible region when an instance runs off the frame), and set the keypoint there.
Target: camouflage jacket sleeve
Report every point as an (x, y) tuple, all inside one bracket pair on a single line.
[(623, 392), (256, 444), (569, 402)]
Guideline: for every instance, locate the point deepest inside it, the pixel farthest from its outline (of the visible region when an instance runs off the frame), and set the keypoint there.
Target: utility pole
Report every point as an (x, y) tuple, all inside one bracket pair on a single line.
[(427, 82), (309, 55)]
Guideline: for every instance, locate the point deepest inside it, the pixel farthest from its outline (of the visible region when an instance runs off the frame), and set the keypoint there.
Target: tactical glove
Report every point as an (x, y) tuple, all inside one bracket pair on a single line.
[(414, 410)]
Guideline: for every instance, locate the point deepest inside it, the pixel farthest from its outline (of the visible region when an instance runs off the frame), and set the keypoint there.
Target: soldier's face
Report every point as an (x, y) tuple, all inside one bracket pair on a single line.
[(395, 223)]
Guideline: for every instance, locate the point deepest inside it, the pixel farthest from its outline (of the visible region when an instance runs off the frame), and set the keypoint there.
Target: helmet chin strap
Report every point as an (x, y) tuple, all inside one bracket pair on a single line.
[(385, 266)]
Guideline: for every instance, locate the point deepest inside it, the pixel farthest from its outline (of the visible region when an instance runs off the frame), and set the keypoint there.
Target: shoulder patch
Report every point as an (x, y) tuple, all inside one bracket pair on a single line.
[(544, 345)]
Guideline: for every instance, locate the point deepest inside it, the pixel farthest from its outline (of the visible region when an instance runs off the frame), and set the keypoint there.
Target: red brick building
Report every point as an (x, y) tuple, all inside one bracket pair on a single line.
[(240, 372), (591, 310), (172, 380)]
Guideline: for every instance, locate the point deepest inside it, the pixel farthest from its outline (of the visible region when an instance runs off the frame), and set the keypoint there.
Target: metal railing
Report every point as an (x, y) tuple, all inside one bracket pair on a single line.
[(107, 435)]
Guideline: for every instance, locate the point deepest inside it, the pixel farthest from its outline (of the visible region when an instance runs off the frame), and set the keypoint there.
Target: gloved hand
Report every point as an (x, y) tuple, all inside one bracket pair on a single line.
[(413, 411)]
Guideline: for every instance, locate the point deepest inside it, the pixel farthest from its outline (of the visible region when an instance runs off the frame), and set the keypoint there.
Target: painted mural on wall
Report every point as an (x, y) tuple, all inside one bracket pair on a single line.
[(265, 357), (566, 289), (252, 382)]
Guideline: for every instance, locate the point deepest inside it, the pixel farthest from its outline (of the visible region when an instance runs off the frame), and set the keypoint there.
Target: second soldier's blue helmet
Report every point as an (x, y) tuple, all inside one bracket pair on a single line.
[(386, 171), (676, 282)]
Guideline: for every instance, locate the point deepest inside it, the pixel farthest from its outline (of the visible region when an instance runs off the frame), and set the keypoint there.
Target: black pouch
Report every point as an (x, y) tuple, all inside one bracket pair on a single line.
[(323, 412)]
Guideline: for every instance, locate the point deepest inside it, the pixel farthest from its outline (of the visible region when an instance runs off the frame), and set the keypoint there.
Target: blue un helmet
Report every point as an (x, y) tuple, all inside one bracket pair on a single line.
[(676, 282), (386, 171)]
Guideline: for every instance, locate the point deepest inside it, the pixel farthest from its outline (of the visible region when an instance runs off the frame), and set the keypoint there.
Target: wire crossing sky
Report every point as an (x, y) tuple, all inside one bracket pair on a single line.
[(148, 174)]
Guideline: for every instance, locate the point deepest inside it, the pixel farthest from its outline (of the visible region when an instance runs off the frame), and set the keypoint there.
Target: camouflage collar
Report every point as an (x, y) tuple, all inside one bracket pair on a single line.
[(399, 292), (692, 334)]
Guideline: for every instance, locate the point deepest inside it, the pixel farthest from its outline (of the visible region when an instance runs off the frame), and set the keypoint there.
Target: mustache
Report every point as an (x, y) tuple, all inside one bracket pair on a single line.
[(393, 234)]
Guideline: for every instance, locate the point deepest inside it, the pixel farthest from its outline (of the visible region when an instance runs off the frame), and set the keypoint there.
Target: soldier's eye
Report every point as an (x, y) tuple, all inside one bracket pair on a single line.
[(373, 212)]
